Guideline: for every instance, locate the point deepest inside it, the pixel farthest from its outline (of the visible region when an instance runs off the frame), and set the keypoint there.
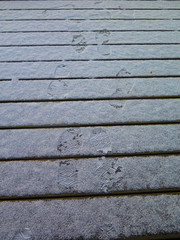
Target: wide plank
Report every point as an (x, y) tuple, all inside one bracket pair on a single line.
[(91, 14), (85, 38), (89, 69), (88, 112), (90, 5), (98, 218), (89, 141), (89, 176), (88, 25), (83, 52), (89, 89)]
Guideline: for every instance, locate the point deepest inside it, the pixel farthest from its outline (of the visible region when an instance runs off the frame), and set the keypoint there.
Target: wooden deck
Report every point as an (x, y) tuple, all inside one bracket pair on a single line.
[(89, 120)]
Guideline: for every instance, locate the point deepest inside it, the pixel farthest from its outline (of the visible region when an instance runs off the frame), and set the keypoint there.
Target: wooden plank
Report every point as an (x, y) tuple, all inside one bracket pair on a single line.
[(88, 52), (89, 69), (92, 14), (93, 141), (101, 37), (89, 89), (98, 218), (88, 113), (88, 25), (92, 176), (90, 4)]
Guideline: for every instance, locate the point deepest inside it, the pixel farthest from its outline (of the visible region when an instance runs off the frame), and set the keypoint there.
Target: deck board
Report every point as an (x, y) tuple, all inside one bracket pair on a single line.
[(93, 141), (46, 90), (102, 218), (77, 113), (89, 119), (91, 176)]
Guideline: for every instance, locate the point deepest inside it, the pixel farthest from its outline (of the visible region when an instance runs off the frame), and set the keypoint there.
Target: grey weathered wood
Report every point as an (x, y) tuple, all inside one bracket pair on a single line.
[(88, 38), (89, 89), (91, 14), (95, 141), (99, 218), (88, 52), (89, 69), (92, 176), (90, 4), (90, 112), (88, 25)]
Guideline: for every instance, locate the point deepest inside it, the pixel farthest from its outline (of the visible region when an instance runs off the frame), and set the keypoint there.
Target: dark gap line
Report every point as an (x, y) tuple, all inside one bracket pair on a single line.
[(94, 60), (117, 124), (5, 80), (89, 9), (93, 78), (93, 99), (89, 0), (81, 31), (89, 44), (88, 19), (81, 157), (92, 195)]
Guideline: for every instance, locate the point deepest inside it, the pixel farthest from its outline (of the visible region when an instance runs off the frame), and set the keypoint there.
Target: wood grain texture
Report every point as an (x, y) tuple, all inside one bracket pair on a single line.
[(93, 141), (89, 176), (76, 38), (89, 89), (91, 14), (89, 113), (89, 69), (101, 218), (83, 52), (88, 25), (90, 5)]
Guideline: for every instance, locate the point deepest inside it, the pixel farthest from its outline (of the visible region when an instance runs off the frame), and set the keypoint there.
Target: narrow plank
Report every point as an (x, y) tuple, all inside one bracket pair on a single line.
[(88, 52), (100, 37), (88, 25), (98, 218), (92, 176), (89, 112), (89, 69), (93, 141), (90, 5), (89, 89), (92, 14)]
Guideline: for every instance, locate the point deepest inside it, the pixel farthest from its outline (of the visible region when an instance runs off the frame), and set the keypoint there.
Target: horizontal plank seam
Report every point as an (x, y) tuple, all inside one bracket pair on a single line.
[(53, 158), (46, 126), (87, 9), (92, 60), (93, 78), (87, 19), (93, 195), (93, 44), (81, 31), (91, 99)]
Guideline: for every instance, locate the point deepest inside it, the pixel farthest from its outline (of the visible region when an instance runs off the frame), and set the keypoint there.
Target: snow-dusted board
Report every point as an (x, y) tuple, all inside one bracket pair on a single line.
[(91, 176), (88, 113), (89, 141), (75, 89), (89, 119), (88, 218)]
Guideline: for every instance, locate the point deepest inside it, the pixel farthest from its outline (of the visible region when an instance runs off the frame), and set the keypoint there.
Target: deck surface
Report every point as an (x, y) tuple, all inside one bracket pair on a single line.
[(89, 119)]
